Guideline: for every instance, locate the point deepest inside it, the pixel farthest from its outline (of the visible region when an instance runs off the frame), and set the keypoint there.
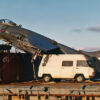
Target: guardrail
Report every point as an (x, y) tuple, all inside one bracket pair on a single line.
[(50, 92)]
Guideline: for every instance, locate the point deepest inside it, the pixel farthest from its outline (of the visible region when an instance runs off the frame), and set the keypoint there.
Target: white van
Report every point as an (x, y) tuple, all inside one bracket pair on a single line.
[(65, 66)]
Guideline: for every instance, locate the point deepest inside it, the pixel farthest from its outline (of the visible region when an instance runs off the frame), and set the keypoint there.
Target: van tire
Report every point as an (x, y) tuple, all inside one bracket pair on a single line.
[(80, 78), (47, 78)]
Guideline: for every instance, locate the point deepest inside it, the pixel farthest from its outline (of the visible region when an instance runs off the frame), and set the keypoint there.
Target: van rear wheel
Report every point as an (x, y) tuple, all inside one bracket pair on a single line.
[(47, 78), (80, 78)]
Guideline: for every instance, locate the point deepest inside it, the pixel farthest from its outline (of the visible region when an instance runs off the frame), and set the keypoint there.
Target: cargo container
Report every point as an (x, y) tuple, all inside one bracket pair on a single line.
[(15, 67)]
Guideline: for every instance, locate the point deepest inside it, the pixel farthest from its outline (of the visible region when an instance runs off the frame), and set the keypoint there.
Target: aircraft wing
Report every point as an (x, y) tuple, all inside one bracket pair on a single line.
[(41, 42)]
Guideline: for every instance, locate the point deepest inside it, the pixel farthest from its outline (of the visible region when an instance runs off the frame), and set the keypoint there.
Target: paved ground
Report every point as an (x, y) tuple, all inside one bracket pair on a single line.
[(61, 83)]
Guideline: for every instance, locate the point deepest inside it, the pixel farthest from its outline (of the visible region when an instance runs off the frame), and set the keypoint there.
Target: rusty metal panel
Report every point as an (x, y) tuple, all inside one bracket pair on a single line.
[(15, 67)]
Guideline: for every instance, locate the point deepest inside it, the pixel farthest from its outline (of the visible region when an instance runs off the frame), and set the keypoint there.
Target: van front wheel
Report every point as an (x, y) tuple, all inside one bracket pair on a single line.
[(47, 78), (80, 78)]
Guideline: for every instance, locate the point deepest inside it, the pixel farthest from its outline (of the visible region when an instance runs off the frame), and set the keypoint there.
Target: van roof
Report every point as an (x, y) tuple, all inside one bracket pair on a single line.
[(68, 56)]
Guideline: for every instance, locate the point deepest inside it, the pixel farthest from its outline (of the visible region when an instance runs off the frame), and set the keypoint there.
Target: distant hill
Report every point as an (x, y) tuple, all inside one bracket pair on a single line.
[(93, 54)]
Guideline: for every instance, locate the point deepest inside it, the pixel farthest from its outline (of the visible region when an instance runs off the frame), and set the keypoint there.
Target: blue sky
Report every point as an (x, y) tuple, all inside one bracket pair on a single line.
[(75, 23)]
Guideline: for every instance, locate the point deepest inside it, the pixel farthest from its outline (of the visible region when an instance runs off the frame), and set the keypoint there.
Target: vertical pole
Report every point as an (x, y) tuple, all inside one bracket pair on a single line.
[(9, 97), (87, 98), (66, 98)]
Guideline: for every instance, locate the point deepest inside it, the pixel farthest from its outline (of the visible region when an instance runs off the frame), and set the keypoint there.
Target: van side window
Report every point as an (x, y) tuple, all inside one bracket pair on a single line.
[(82, 63), (67, 63)]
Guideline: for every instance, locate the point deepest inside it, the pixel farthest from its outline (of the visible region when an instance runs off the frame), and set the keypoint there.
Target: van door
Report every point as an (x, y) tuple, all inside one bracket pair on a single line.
[(67, 69), (82, 68)]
